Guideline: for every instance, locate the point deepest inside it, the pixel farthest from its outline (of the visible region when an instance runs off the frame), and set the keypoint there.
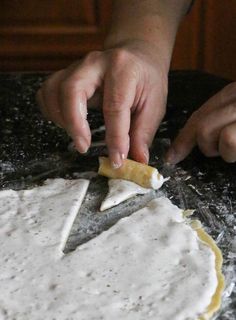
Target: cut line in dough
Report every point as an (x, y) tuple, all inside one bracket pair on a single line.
[(81, 190)]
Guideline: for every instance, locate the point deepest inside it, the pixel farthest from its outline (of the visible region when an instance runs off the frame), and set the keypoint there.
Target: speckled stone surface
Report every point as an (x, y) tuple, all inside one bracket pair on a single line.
[(32, 150)]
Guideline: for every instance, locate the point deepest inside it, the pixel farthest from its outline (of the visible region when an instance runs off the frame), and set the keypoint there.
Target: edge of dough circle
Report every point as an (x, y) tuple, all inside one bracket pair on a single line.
[(20, 221)]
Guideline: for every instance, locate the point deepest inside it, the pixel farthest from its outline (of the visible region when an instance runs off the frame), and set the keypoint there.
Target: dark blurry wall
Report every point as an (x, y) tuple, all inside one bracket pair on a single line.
[(207, 38), (48, 35)]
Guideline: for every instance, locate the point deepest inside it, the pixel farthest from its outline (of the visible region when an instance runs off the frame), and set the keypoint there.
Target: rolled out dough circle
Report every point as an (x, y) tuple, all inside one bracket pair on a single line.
[(151, 265)]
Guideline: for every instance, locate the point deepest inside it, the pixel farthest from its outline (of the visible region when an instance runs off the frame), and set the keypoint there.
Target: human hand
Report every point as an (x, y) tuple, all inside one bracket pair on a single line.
[(133, 82), (212, 127)]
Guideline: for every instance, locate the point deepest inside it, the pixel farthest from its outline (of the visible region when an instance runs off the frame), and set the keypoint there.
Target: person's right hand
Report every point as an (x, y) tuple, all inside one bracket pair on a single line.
[(133, 82)]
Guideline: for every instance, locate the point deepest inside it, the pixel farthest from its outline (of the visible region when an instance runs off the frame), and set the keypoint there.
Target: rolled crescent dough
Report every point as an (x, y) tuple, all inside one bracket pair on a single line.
[(142, 174)]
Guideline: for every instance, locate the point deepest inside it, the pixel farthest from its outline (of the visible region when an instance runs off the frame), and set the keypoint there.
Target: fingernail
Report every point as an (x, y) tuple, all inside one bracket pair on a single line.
[(116, 158), (171, 156), (81, 144)]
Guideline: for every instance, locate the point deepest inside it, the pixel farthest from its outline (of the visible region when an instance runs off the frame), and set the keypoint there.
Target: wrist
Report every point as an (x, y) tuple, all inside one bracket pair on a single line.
[(153, 43), (145, 50), (151, 22)]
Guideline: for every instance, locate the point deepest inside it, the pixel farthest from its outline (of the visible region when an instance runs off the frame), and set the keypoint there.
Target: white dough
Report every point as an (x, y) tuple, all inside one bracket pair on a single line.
[(157, 180), (119, 191), (150, 265)]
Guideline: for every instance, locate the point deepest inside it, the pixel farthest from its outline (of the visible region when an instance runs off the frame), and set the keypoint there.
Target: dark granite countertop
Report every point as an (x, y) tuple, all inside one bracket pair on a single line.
[(32, 150)]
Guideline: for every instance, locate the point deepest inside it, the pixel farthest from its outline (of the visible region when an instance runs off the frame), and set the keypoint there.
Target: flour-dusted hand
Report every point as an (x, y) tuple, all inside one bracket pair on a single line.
[(212, 127), (134, 88), (131, 75)]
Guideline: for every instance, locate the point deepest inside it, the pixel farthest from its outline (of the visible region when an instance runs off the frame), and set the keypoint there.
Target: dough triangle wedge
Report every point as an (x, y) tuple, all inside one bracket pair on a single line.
[(131, 179), (119, 191)]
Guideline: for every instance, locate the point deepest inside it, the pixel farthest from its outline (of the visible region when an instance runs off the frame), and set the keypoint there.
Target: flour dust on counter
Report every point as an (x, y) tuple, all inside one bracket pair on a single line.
[(150, 265)]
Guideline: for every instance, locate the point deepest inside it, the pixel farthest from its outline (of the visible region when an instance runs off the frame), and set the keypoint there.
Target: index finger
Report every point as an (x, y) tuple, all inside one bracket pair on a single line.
[(119, 94), (183, 143)]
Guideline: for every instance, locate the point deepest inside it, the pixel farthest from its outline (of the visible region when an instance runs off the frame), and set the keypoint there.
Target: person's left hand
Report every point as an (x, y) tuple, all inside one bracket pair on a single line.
[(212, 127)]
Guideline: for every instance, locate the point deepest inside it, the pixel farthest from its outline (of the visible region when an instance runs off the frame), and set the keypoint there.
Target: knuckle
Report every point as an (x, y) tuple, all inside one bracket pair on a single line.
[(116, 140), (196, 118), (92, 57), (204, 139), (203, 130), (207, 147), (113, 111), (230, 110), (228, 139), (67, 86), (116, 104), (119, 56), (228, 92), (114, 136), (123, 63)]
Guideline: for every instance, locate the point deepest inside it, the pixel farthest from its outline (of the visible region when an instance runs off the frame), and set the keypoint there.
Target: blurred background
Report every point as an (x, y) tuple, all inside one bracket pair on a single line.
[(49, 35)]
